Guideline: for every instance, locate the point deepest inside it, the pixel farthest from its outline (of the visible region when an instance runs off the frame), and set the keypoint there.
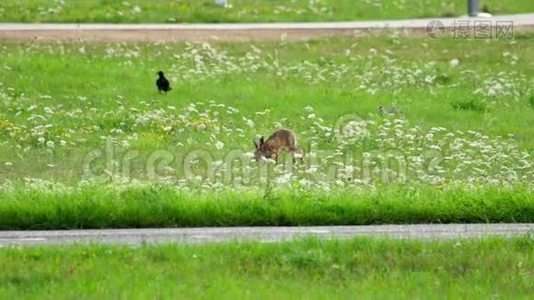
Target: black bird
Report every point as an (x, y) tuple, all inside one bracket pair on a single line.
[(163, 83)]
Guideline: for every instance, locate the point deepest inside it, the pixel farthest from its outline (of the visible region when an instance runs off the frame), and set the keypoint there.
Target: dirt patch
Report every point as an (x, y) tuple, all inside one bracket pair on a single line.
[(245, 32), (166, 35)]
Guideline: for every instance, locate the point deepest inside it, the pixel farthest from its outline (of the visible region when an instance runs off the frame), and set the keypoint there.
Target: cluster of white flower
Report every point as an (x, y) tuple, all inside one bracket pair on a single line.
[(375, 71), (495, 86), (350, 151), (54, 8)]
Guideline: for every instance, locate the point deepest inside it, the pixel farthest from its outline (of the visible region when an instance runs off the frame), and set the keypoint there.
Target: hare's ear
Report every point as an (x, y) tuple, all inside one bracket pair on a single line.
[(262, 141), (255, 143)]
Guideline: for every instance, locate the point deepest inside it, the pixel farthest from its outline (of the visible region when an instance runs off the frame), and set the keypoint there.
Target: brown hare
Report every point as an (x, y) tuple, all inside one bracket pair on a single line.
[(281, 139)]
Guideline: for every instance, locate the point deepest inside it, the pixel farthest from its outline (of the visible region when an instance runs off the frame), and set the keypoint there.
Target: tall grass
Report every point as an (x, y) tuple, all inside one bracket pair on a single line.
[(163, 206), (66, 108)]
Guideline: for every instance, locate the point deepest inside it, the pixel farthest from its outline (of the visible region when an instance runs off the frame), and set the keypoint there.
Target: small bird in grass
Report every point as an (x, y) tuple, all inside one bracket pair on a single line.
[(390, 111), (162, 83)]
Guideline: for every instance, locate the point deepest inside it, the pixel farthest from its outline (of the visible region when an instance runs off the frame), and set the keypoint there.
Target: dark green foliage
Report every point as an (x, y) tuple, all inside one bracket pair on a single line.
[(471, 105)]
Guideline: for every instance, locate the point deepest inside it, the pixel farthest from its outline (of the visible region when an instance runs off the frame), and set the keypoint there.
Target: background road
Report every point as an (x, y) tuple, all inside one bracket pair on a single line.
[(247, 32), (263, 234)]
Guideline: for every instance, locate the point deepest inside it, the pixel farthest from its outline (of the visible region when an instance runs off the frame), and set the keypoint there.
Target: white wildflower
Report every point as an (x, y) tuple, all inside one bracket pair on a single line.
[(219, 145)]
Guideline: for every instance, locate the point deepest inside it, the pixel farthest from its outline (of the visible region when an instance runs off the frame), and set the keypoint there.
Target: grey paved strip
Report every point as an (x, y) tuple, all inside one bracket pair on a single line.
[(235, 32), (262, 234)]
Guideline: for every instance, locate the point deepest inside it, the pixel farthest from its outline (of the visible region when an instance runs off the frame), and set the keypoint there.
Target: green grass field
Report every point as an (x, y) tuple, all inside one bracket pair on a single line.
[(310, 269), (86, 141), (460, 105), (79, 121), (204, 11)]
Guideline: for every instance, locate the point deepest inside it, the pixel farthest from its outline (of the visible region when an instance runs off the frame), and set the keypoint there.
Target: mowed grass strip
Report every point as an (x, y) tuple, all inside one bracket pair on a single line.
[(164, 206), (308, 269), (205, 11)]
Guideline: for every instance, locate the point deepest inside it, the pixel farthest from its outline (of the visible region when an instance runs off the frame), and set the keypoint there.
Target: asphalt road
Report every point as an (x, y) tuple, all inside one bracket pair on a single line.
[(262, 234), (433, 27)]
